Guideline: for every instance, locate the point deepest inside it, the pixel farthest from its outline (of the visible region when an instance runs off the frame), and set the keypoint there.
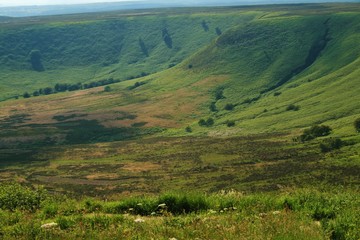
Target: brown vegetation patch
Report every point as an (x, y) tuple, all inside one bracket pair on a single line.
[(140, 167), (103, 176)]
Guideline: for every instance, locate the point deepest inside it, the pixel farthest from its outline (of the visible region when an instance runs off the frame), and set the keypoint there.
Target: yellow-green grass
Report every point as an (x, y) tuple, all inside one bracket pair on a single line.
[(289, 214)]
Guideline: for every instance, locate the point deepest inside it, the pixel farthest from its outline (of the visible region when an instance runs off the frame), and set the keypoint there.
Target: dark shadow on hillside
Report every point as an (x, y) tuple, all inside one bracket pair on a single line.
[(314, 52), (63, 133), (13, 120), (167, 38)]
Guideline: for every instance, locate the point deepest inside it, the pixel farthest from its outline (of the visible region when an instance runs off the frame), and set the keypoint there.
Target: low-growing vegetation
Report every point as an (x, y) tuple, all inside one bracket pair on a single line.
[(229, 107), (291, 214), (70, 87), (357, 125), (314, 132), (331, 144), (133, 161), (206, 123), (293, 107)]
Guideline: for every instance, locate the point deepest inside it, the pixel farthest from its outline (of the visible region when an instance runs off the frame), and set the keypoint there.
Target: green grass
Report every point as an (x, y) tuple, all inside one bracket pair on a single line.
[(116, 154), (86, 50), (292, 214)]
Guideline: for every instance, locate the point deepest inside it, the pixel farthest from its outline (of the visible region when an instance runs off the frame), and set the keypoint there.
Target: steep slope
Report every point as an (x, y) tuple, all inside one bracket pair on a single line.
[(309, 62), (86, 48)]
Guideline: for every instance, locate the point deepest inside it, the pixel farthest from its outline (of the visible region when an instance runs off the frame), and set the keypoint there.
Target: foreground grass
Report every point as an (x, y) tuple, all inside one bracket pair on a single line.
[(289, 214)]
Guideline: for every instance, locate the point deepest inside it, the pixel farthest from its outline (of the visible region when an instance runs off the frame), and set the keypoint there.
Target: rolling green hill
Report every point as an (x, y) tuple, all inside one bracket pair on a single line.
[(270, 58), (85, 49), (257, 107)]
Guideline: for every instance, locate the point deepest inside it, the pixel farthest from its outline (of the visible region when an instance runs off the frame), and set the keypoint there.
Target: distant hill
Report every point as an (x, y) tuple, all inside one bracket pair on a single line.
[(25, 11), (91, 47), (3, 18)]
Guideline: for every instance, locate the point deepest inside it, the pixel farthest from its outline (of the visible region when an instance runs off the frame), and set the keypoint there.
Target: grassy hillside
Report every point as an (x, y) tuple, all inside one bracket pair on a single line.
[(280, 72), (233, 113), (84, 49)]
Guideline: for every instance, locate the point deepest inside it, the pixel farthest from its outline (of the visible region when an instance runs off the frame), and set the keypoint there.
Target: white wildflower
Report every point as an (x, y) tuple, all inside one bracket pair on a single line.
[(49, 225), (162, 205), (139, 220)]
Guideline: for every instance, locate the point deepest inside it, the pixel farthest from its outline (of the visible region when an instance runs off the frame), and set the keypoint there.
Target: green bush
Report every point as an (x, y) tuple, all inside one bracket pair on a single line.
[(229, 106), (107, 89), (206, 123), (65, 222), (293, 107), (209, 122), (331, 144), (188, 129), (177, 204), (213, 107), (92, 206), (14, 196), (26, 95), (134, 206), (219, 93), (202, 122), (314, 132), (230, 123), (357, 124), (49, 209)]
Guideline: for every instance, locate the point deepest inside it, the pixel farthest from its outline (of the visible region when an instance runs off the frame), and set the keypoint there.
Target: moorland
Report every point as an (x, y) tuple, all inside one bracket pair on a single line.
[(185, 123)]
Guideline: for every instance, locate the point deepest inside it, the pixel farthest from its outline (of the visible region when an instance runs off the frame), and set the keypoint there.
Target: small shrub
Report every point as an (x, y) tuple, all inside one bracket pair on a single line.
[(277, 94), (36, 93), (213, 107), (230, 123), (202, 122), (65, 222), (251, 100), (49, 210), (292, 107), (26, 95), (229, 106), (134, 206), (136, 85), (219, 93), (188, 129), (206, 123), (331, 144), (190, 66), (314, 132), (92, 206), (107, 89), (14, 196), (209, 122), (357, 125), (48, 91), (177, 204)]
